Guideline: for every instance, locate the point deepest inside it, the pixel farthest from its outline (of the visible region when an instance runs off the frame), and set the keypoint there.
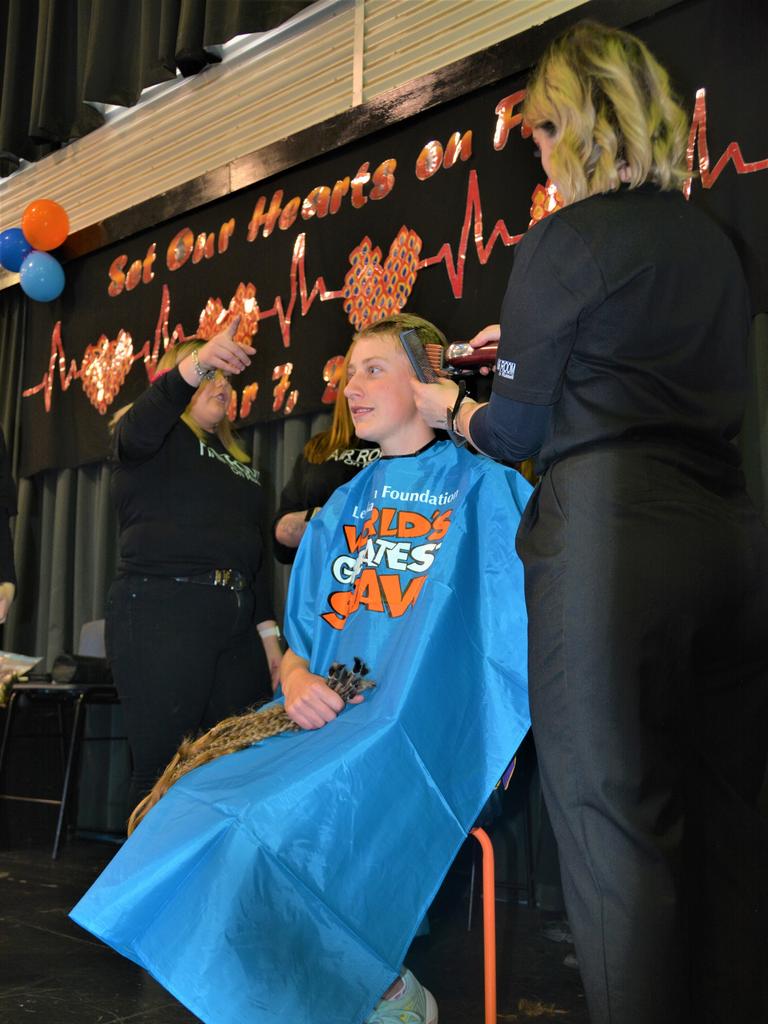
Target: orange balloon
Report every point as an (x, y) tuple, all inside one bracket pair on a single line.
[(45, 224)]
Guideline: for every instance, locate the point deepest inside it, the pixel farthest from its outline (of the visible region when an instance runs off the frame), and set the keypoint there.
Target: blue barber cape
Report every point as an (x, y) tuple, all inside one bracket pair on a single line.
[(283, 884)]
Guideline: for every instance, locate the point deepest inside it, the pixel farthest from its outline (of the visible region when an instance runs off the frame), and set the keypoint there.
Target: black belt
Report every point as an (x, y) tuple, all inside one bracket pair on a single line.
[(232, 579)]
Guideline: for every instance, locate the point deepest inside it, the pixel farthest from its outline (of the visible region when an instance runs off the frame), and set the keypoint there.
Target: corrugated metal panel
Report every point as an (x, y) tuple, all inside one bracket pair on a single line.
[(404, 38), (202, 123), (302, 78)]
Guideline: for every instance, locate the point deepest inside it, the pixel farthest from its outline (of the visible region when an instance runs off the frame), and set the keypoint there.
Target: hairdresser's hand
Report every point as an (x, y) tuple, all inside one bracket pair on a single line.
[(309, 701), (484, 337), (434, 400), (222, 352)]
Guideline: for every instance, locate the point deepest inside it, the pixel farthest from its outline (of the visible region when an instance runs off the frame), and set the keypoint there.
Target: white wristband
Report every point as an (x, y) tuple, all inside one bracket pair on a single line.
[(269, 631)]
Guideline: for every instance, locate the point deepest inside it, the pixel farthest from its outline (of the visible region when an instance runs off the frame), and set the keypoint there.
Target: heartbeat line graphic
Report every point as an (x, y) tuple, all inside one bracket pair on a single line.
[(372, 287), (106, 364), (298, 289), (698, 139), (382, 279), (454, 267)]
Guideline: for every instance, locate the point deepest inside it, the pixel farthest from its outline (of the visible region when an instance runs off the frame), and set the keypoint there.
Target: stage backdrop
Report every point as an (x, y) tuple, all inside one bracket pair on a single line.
[(423, 216)]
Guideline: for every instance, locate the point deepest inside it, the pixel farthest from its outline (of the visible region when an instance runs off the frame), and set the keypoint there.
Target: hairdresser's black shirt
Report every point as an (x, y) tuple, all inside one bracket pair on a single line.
[(312, 483), (628, 314), (184, 506)]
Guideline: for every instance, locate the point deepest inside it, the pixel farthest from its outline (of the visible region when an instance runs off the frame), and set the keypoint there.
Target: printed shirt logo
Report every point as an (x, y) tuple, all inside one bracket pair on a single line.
[(232, 464), (506, 368), (390, 542), (359, 457)]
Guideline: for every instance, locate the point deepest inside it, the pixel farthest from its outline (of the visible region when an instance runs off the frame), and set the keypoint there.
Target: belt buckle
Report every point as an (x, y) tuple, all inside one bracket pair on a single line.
[(223, 577)]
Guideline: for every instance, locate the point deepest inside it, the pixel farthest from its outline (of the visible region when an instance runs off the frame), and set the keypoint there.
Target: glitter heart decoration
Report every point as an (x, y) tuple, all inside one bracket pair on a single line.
[(104, 368), (372, 289), (215, 317)]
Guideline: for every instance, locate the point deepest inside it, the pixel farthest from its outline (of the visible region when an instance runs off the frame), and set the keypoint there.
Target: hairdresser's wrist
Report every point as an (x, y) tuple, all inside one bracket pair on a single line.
[(464, 414)]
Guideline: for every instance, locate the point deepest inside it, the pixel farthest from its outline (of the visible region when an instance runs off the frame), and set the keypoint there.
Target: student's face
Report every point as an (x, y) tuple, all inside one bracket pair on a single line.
[(210, 402), (380, 398)]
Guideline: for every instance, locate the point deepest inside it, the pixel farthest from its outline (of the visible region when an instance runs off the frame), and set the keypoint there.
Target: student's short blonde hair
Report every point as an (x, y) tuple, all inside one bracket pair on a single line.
[(426, 332), (607, 102)]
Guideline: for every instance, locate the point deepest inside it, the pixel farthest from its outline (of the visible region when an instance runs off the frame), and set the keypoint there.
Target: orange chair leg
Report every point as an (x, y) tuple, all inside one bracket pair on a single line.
[(489, 923)]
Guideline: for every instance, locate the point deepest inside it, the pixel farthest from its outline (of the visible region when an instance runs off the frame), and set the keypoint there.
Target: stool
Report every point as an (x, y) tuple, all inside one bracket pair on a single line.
[(488, 814), (61, 694), (489, 923)]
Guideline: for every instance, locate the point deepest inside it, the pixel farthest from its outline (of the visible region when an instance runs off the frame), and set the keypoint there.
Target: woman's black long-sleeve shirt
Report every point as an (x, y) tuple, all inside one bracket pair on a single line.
[(626, 319), (184, 506)]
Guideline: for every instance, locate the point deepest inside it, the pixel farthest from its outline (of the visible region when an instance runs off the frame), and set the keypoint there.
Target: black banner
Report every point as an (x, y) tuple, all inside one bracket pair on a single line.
[(423, 216)]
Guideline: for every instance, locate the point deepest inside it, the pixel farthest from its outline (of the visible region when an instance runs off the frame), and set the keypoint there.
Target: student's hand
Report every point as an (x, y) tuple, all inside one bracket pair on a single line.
[(309, 701), (484, 337)]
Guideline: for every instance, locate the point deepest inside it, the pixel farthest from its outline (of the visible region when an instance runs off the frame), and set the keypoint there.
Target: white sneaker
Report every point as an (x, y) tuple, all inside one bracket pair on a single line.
[(415, 1005)]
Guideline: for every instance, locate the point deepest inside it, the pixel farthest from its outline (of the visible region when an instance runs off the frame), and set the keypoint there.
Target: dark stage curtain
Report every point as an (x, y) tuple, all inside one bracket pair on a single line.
[(753, 440), (13, 308), (56, 54)]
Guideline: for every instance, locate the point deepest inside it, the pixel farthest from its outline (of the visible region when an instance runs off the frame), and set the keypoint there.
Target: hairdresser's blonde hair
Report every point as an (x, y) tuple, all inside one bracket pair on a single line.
[(170, 358), (607, 102)]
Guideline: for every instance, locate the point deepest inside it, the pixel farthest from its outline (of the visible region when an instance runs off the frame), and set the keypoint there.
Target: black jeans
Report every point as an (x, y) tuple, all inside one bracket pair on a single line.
[(646, 586), (183, 657)]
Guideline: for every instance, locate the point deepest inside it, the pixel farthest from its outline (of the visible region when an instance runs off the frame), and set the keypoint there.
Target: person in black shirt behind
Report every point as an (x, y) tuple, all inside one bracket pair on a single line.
[(190, 632), (622, 362), (329, 459)]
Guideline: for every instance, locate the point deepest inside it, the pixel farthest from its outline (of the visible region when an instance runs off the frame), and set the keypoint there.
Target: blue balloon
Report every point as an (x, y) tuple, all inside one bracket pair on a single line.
[(42, 278), (14, 248)]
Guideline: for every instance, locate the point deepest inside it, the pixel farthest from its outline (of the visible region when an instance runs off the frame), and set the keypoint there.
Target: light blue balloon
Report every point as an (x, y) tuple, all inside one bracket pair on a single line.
[(14, 248), (42, 277)]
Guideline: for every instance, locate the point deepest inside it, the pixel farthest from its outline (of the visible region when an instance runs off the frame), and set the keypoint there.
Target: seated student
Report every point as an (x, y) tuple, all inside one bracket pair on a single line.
[(283, 884), (328, 460)]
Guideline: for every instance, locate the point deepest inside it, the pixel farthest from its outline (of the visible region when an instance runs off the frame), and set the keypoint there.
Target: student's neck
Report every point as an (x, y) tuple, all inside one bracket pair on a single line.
[(414, 442)]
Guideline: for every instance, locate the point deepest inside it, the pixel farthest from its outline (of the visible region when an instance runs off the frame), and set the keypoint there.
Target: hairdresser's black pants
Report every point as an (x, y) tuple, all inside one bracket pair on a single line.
[(646, 578), (183, 657)]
